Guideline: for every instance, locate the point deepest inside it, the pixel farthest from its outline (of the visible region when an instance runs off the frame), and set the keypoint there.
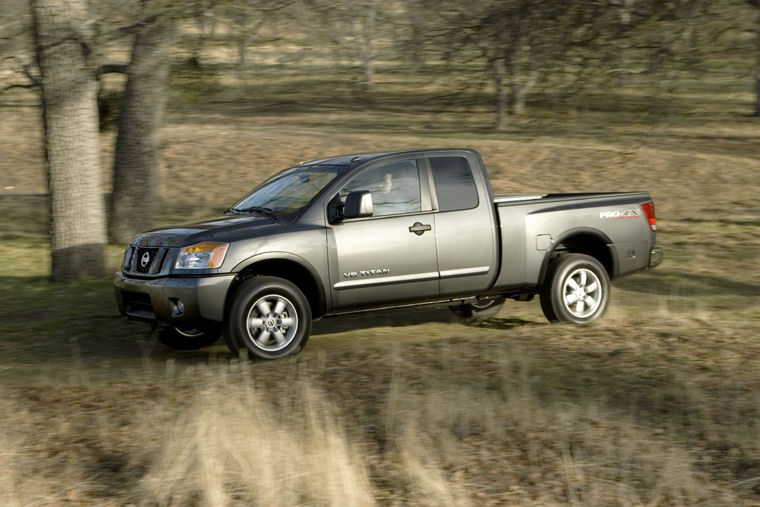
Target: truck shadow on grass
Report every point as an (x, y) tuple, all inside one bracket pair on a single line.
[(685, 284), (504, 324), (44, 323), (382, 318), (401, 317)]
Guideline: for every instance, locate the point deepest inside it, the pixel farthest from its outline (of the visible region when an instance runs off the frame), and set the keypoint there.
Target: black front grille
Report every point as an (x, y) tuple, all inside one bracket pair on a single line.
[(146, 261), (145, 258)]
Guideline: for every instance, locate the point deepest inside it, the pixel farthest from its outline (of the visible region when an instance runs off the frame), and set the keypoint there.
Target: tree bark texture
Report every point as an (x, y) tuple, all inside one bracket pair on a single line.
[(72, 151), (757, 67), (757, 90), (135, 183)]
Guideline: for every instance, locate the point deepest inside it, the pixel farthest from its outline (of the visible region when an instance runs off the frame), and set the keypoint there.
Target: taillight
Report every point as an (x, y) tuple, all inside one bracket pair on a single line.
[(648, 209)]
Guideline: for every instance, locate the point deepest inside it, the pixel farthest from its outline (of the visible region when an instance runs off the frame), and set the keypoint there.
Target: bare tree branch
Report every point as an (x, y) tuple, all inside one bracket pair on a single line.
[(34, 81), (113, 68), (28, 73), (18, 85)]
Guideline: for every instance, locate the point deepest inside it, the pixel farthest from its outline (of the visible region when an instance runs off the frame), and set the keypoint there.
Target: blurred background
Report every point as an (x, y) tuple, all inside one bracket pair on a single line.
[(116, 117)]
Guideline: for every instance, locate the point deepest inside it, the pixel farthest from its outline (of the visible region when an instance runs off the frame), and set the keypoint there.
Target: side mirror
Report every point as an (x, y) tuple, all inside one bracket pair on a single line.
[(358, 204)]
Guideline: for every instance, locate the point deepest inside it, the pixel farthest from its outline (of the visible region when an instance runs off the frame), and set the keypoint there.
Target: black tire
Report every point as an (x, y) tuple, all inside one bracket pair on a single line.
[(190, 339), (475, 313), (576, 290), (268, 317)]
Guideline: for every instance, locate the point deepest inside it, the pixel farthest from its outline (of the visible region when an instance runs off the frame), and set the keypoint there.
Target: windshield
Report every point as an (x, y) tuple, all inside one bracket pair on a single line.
[(288, 192)]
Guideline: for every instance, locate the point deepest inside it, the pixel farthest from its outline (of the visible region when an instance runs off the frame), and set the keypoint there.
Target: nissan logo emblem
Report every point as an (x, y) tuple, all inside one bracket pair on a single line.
[(145, 259)]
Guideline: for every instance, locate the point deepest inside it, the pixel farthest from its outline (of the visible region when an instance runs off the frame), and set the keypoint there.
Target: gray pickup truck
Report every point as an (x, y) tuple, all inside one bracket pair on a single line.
[(380, 230)]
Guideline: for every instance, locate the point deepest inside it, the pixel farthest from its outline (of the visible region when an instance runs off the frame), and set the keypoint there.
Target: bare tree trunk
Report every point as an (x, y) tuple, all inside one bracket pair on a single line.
[(364, 34), (369, 72), (417, 19), (757, 68), (757, 90), (242, 50), (519, 91), (135, 183), (72, 151), (625, 11), (501, 99)]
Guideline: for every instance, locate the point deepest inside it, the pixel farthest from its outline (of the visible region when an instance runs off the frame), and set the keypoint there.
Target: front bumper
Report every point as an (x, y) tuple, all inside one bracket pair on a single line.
[(179, 301), (655, 257)]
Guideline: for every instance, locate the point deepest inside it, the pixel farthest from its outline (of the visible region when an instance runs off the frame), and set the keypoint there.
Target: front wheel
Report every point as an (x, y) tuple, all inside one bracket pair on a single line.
[(269, 318), (576, 289)]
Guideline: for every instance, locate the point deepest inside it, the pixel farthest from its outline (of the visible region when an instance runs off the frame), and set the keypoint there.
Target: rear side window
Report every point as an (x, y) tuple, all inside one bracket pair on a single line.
[(454, 183)]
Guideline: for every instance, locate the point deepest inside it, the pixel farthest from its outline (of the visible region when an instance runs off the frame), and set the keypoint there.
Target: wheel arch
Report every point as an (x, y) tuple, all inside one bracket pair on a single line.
[(288, 267), (591, 242)]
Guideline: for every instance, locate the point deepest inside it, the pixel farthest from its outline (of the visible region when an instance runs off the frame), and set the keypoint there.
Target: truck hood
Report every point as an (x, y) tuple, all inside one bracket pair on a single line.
[(222, 229)]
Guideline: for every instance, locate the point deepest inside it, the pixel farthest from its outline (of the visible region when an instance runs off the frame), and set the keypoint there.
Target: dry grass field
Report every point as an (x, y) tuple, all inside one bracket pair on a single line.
[(657, 404)]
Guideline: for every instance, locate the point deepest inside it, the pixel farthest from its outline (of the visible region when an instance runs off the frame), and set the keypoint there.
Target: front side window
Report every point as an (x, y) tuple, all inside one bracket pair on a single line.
[(395, 187), (290, 191)]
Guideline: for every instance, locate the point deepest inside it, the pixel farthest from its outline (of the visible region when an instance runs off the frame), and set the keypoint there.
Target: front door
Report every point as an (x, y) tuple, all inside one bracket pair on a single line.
[(389, 257)]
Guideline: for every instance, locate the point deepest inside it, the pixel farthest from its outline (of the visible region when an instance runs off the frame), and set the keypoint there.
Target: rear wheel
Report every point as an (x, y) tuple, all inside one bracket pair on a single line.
[(576, 290), (190, 339), (475, 313), (269, 318)]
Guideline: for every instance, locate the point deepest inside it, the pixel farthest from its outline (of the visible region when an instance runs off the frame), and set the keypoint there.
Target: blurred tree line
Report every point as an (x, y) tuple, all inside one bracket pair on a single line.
[(511, 49)]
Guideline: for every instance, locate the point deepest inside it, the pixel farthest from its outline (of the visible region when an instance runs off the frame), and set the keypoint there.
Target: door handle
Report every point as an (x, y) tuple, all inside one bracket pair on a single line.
[(419, 228)]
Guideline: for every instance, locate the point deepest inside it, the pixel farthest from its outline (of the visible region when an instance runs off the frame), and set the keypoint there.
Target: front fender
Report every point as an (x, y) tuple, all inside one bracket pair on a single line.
[(288, 257)]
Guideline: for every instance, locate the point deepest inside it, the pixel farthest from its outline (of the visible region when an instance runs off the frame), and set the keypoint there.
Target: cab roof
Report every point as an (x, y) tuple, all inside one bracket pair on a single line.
[(356, 159)]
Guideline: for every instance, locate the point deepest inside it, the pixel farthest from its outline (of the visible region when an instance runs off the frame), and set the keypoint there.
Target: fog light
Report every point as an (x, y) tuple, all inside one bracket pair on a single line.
[(178, 307)]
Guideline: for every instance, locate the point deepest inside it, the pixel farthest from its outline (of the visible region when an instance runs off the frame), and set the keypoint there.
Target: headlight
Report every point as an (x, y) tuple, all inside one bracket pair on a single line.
[(127, 257), (201, 256)]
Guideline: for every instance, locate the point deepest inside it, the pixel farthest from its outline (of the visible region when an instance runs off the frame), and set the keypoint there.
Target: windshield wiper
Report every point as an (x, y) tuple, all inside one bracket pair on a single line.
[(256, 209)]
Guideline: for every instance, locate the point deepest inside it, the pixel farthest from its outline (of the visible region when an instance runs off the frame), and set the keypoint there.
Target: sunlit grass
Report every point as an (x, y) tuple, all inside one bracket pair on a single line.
[(229, 434)]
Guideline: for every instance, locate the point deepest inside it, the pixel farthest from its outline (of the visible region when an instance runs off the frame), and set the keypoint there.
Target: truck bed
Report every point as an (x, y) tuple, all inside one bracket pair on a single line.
[(532, 225)]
